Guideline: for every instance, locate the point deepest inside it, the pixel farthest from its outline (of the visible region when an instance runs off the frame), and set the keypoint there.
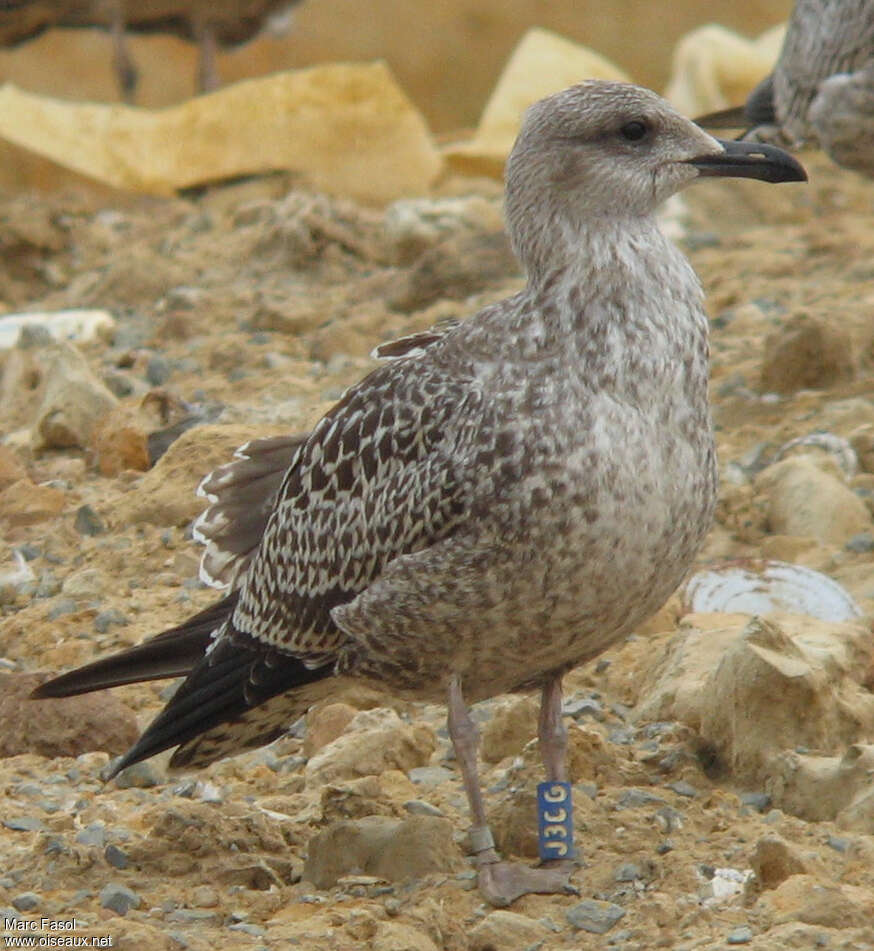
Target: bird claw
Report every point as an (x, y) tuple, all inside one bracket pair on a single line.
[(501, 883)]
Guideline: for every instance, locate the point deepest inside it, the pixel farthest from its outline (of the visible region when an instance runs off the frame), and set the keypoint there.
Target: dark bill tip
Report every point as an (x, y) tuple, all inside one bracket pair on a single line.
[(751, 160)]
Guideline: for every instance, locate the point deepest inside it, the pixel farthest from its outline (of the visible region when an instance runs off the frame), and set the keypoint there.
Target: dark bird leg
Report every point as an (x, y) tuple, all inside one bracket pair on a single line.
[(207, 69), (500, 883), (125, 70)]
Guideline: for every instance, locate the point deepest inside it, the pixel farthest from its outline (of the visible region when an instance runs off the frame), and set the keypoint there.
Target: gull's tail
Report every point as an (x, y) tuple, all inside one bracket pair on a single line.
[(174, 653)]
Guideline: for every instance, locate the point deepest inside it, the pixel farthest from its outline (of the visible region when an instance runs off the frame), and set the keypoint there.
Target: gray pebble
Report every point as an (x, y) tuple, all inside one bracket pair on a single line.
[(26, 901), (118, 898), (418, 807), (23, 823), (861, 543), (140, 775), (584, 707), (634, 798), (115, 856), (88, 522), (741, 935), (192, 914), (756, 800), (629, 872), (61, 607), (255, 930), (93, 834), (838, 843), (596, 917), (158, 370), (682, 788), (106, 619)]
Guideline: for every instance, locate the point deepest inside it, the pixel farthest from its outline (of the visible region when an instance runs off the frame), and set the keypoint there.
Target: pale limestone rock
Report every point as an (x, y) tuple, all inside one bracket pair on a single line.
[(714, 67), (66, 727), (396, 936), (24, 503), (542, 63), (346, 128), (806, 500), (506, 931), (806, 353), (774, 860), (73, 403), (393, 849), (512, 726), (374, 741), (755, 689), (325, 722), (811, 901)]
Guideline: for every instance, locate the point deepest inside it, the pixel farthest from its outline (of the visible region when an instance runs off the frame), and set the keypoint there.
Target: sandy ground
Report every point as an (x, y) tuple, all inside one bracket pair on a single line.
[(252, 308)]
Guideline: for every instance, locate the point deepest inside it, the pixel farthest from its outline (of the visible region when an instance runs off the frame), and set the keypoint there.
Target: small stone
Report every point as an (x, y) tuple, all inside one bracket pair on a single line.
[(756, 800), (596, 917), (838, 843), (85, 584), (142, 775), (861, 543), (116, 857), (23, 823), (88, 522), (26, 901), (118, 898), (583, 707), (93, 834), (629, 872), (418, 807), (324, 724), (106, 619), (158, 370), (741, 935), (73, 403), (682, 788), (62, 607), (635, 798)]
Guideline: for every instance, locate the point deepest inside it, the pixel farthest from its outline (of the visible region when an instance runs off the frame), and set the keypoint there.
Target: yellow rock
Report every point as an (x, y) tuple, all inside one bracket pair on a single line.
[(541, 64), (714, 68), (347, 129)]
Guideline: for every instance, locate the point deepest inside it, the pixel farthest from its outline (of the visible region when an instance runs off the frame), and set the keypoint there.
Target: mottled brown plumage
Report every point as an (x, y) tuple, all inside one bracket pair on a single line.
[(508, 496)]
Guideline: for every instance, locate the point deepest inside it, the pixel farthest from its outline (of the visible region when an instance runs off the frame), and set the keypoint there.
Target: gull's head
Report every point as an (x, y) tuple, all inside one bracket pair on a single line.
[(607, 150)]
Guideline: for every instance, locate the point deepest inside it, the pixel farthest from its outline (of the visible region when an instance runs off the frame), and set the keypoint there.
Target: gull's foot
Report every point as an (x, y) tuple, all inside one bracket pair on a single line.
[(501, 883)]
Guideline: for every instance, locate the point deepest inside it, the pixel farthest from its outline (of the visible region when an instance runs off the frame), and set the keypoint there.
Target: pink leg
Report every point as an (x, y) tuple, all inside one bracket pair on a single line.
[(500, 883), (552, 733), (125, 70), (207, 69)]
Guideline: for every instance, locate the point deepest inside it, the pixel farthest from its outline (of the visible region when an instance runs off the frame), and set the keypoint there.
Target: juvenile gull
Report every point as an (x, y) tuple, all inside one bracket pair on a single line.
[(502, 500), (822, 89)]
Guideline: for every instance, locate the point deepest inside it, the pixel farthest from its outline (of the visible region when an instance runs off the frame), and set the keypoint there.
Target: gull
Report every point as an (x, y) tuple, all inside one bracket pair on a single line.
[(209, 23), (822, 89), (499, 502)]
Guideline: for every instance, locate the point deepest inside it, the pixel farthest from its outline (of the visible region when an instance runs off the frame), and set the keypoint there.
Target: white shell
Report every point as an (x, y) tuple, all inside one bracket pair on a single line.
[(761, 587)]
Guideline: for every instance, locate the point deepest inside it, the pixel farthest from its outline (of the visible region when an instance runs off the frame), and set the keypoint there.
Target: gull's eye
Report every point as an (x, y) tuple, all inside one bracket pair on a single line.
[(634, 131)]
